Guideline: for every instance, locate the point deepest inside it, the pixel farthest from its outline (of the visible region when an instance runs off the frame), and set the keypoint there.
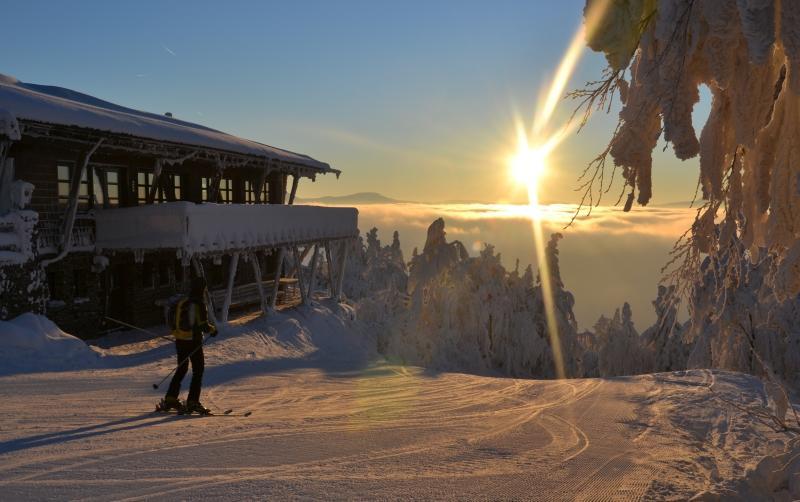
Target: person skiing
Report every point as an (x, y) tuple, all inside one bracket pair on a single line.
[(189, 324)]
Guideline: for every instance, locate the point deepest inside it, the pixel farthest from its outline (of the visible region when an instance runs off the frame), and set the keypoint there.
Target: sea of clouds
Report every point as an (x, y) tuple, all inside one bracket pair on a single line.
[(607, 258)]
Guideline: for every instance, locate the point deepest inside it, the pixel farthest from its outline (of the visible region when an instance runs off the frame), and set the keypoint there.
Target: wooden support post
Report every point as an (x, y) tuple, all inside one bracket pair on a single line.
[(151, 193), (331, 281), (200, 272), (299, 269), (226, 306), (340, 275), (295, 181), (258, 187), (212, 190), (259, 283), (314, 259), (303, 256), (101, 175), (276, 280), (72, 205)]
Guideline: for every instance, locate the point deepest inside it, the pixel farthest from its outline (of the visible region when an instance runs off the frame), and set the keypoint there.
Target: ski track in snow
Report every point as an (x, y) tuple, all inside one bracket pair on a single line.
[(370, 431)]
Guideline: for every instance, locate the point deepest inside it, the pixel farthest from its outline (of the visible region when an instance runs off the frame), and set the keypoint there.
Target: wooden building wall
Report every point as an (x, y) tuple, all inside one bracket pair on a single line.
[(80, 294)]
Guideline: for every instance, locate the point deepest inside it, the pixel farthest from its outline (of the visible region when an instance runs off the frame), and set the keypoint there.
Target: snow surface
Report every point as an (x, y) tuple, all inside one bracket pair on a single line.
[(203, 228), (33, 343), (56, 105), (332, 421)]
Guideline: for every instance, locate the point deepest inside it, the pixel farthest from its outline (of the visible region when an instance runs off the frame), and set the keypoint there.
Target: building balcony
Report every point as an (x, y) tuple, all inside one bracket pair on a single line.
[(196, 230)]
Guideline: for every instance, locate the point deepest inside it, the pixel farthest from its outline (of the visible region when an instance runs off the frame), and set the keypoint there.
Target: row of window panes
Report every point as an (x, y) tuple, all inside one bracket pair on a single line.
[(250, 193), (84, 196), (57, 286), (144, 182), (225, 190), (166, 272)]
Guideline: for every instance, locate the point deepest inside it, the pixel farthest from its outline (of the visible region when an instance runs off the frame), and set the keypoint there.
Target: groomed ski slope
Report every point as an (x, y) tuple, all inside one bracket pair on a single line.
[(330, 421)]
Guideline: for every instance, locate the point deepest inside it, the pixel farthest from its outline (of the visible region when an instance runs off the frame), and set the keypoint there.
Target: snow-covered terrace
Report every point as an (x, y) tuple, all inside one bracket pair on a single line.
[(38, 106), (201, 229)]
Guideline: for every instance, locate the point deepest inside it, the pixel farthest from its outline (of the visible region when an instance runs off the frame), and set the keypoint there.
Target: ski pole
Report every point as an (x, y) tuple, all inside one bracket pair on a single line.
[(181, 363), (123, 323)]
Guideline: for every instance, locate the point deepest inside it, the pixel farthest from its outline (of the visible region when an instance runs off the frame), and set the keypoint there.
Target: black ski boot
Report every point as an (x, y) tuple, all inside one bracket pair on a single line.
[(195, 407), (169, 403)]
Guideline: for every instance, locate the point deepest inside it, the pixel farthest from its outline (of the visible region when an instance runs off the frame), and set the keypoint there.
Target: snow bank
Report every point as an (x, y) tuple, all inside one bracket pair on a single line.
[(33, 343), (774, 477), (204, 228), (56, 105), (324, 332)]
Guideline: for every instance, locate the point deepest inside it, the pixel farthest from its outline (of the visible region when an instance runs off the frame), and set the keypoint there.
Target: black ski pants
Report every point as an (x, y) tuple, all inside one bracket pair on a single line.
[(184, 348)]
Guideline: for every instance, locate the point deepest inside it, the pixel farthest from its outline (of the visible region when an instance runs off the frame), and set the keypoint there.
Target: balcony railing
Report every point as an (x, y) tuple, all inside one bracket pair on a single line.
[(204, 229)]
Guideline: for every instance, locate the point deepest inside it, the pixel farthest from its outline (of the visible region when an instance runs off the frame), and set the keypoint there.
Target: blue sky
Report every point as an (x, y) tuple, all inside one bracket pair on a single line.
[(412, 99)]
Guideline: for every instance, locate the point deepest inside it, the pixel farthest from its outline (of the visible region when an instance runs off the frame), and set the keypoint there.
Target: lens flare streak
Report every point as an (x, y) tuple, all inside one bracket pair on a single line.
[(529, 162)]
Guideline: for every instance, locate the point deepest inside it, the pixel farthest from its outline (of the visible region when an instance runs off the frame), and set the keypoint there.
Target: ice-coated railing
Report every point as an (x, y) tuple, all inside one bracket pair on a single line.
[(198, 229)]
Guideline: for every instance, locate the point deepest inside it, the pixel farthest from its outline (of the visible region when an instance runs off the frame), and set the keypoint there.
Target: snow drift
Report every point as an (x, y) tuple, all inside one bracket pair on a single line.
[(33, 343)]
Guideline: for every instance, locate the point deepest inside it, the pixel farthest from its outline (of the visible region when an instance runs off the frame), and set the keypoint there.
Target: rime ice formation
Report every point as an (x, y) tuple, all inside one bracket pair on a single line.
[(57, 105), (743, 267), (203, 228), (748, 54), (462, 313)]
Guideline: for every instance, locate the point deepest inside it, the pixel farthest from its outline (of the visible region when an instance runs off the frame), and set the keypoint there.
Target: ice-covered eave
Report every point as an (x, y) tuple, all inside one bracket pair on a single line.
[(207, 229), (53, 108), (85, 137)]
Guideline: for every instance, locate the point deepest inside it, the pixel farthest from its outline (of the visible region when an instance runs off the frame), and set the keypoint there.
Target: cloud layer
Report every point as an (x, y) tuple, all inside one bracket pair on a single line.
[(607, 258)]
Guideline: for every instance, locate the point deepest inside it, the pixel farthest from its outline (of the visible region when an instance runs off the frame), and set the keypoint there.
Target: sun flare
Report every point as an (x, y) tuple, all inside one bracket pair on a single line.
[(527, 167)]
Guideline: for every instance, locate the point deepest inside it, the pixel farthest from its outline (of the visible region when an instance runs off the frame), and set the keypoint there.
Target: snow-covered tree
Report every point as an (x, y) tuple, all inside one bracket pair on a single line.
[(739, 264), (469, 314)]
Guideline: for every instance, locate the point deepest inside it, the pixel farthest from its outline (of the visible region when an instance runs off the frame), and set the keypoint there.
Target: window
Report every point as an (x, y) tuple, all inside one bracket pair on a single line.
[(64, 182), (178, 271), (112, 180), (176, 183), (163, 273), (226, 190), (112, 185), (143, 183), (54, 284), (206, 183), (225, 193), (249, 192), (79, 283), (216, 275), (148, 275)]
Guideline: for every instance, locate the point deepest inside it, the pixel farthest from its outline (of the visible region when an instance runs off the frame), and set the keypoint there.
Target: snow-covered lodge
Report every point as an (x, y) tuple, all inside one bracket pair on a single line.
[(107, 211)]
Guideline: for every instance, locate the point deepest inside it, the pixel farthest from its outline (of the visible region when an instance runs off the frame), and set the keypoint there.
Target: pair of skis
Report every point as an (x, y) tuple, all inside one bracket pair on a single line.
[(226, 413)]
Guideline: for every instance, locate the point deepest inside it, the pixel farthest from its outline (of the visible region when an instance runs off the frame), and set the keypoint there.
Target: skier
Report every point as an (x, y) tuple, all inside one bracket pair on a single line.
[(189, 324)]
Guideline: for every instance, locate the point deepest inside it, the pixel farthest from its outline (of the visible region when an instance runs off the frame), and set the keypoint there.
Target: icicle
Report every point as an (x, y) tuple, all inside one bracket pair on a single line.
[(618, 30), (716, 143), (723, 37), (633, 145), (784, 215), (752, 94), (680, 69), (790, 37), (758, 26)]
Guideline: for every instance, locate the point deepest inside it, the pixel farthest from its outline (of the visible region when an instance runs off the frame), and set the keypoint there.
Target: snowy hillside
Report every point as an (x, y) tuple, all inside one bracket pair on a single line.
[(331, 421)]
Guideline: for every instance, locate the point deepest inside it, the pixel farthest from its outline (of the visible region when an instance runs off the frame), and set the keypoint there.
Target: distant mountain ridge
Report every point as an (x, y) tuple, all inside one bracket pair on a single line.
[(354, 198)]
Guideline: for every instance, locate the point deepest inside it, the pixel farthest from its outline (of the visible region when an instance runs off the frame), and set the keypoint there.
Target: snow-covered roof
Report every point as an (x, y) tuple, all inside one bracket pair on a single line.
[(214, 228), (57, 105)]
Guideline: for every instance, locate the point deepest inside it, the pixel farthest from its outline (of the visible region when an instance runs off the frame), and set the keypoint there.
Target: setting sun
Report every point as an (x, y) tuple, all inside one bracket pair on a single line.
[(527, 166)]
